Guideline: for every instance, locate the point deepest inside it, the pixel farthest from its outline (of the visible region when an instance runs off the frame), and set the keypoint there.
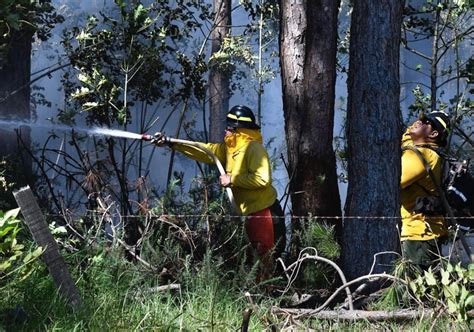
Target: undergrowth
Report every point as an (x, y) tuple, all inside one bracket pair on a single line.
[(120, 295), (217, 283)]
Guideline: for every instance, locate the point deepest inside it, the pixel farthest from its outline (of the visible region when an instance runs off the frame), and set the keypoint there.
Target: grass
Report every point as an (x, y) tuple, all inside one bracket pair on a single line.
[(116, 297)]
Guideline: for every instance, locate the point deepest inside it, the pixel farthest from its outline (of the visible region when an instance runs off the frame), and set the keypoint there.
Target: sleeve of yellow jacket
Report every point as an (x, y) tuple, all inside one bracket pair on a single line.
[(258, 171), (412, 168), (199, 155)]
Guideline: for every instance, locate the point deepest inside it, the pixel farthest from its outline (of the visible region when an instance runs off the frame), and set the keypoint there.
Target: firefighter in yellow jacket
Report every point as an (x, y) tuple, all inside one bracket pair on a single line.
[(248, 173), (421, 230)]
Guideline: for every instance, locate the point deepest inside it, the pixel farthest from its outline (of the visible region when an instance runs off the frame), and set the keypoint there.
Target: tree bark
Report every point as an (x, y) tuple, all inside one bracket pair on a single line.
[(39, 230), (308, 42), (219, 91), (14, 74), (374, 133)]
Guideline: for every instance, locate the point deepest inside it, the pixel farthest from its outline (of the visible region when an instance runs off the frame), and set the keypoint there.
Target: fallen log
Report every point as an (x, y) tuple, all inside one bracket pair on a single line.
[(354, 315)]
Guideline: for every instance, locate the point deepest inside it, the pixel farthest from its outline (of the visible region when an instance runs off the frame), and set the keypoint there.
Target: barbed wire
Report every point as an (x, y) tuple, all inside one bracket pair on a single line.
[(229, 216)]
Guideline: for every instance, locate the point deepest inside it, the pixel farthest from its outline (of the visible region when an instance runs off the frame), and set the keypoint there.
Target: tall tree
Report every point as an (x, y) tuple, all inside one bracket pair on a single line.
[(373, 132), (308, 39), (14, 88), (20, 21), (219, 90), (15, 105)]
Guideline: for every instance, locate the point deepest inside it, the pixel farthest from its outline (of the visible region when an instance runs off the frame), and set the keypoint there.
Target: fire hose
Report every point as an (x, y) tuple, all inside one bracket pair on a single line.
[(157, 136)]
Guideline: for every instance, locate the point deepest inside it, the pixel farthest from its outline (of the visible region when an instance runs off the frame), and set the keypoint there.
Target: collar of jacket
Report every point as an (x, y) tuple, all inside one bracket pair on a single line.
[(241, 138)]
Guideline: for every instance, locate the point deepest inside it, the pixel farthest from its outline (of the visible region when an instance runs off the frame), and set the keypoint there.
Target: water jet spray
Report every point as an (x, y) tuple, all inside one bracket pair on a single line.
[(126, 134)]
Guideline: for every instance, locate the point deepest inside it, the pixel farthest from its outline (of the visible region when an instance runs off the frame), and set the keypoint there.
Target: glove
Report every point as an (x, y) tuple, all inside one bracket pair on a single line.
[(160, 139)]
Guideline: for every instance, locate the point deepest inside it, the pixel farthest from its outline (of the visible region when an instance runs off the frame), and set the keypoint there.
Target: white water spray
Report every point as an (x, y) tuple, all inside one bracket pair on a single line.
[(114, 133), (96, 131)]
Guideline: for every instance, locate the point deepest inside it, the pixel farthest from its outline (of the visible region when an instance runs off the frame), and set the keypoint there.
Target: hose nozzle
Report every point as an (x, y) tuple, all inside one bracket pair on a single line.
[(158, 138), (147, 137)]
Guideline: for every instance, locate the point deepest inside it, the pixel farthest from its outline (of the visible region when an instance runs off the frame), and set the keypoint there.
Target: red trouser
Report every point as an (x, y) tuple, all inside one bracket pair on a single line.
[(259, 228)]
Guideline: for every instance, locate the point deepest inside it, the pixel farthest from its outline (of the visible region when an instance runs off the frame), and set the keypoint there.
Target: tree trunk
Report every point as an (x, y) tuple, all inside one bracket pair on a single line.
[(374, 133), (219, 91), (308, 45), (15, 105)]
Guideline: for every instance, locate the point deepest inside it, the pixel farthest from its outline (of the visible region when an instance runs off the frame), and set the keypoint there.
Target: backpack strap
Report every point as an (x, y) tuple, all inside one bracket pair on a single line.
[(424, 189), (444, 201), (439, 151)]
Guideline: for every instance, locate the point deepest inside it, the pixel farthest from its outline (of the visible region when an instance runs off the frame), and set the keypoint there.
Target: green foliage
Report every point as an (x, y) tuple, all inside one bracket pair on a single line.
[(133, 58), (320, 236), (250, 57), (449, 288), (5, 185), (28, 16), (120, 295), (15, 261), (454, 288), (421, 103), (10, 250), (317, 234), (234, 49)]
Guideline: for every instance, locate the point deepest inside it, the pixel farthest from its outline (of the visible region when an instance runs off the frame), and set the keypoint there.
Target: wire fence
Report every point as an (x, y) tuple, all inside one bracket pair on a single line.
[(230, 216)]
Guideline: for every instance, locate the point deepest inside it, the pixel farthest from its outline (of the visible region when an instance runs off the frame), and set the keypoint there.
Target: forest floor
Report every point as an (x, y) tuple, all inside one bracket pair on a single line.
[(119, 295)]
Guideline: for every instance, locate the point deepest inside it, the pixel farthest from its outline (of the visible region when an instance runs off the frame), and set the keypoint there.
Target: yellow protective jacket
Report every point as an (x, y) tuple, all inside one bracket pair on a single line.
[(248, 164), (416, 226)]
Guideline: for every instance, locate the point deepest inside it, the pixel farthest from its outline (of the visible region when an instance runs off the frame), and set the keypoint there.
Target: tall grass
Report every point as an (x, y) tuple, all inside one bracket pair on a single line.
[(118, 295)]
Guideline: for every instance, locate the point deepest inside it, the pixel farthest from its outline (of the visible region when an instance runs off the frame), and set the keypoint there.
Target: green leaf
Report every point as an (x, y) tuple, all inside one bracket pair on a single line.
[(139, 11), (464, 294), (5, 265), (413, 286), (59, 230), (12, 213), (430, 278), (445, 277), (452, 306), (5, 230), (449, 268), (97, 259), (83, 78), (469, 301), (453, 291), (33, 255)]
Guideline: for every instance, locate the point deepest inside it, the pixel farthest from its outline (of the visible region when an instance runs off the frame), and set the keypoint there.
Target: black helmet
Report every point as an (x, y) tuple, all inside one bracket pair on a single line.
[(439, 121), (241, 116)]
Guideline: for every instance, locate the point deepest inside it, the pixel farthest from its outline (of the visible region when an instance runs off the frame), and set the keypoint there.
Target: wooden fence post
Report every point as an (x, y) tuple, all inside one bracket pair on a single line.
[(38, 227)]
